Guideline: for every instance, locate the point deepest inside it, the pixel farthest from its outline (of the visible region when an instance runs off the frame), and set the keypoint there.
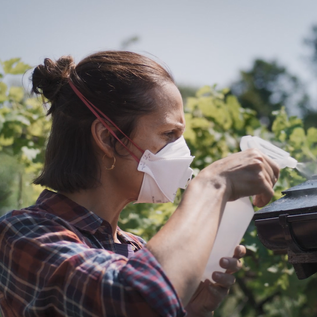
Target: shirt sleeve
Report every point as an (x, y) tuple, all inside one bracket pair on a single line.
[(46, 270)]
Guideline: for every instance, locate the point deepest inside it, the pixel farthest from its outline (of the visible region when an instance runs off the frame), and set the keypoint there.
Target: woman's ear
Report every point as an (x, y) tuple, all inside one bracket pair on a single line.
[(102, 138)]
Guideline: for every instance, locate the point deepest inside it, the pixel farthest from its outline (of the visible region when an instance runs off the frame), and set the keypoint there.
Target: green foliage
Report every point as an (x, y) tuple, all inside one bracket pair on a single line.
[(23, 132), (145, 220), (8, 167), (215, 122), (14, 66)]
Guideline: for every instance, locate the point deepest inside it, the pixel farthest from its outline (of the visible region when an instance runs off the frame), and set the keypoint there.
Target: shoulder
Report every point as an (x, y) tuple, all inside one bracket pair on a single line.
[(35, 224), (32, 215)]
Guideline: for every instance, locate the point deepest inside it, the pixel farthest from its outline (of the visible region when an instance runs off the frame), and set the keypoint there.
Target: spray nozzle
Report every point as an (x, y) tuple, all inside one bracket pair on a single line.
[(281, 157)]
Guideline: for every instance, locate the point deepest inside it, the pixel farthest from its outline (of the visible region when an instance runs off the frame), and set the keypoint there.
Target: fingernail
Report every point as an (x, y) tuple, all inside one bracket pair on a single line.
[(225, 262)]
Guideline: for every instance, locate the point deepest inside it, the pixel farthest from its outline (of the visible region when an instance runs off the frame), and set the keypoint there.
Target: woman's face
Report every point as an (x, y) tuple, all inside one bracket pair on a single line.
[(165, 125), (153, 131)]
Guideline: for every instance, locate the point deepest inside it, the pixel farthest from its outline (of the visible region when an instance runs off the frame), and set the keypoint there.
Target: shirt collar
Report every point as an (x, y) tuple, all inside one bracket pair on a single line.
[(129, 238), (76, 215), (80, 217)]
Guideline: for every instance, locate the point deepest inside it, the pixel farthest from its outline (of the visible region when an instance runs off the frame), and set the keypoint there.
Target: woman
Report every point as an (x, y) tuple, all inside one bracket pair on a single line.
[(116, 138)]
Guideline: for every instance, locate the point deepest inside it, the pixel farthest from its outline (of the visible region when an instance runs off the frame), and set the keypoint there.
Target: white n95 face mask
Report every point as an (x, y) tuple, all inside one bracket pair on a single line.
[(165, 172)]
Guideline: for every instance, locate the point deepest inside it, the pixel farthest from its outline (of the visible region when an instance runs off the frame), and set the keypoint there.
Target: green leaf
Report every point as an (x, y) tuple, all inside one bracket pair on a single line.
[(281, 121), (298, 137), (16, 116), (191, 103), (312, 136), (15, 66), (202, 123), (2, 121), (35, 103), (225, 91), (207, 106), (6, 141), (16, 93), (283, 281), (206, 90), (3, 92), (234, 108), (189, 134)]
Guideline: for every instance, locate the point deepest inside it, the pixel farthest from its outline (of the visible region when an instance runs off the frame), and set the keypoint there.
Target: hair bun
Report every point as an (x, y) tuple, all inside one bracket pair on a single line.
[(48, 79)]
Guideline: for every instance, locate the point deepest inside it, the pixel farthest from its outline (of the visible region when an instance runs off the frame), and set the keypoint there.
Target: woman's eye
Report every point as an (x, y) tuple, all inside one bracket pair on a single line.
[(170, 134)]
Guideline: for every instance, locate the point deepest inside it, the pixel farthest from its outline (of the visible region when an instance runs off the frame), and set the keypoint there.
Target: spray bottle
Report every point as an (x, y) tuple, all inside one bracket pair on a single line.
[(239, 213)]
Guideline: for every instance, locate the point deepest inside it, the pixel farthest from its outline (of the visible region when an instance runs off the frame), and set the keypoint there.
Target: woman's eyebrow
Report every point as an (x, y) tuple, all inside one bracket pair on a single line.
[(174, 126)]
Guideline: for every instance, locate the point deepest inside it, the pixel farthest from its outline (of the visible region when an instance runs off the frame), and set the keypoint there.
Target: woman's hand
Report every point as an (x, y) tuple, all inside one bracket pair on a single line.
[(247, 173), (209, 295)]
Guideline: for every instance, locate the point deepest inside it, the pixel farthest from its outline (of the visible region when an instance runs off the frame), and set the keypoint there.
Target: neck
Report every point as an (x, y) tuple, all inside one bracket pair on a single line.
[(105, 203)]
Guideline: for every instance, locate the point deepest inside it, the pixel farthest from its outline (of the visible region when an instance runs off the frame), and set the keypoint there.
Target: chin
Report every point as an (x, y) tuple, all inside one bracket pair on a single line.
[(133, 199)]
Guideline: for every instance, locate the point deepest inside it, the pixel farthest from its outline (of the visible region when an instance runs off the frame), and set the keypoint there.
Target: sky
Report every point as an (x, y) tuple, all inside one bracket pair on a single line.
[(203, 42)]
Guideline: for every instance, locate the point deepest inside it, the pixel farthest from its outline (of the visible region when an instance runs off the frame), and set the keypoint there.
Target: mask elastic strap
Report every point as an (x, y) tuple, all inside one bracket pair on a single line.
[(95, 111)]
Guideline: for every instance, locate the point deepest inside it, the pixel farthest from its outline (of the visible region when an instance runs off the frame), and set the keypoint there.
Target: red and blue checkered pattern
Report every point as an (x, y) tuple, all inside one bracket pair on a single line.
[(57, 259)]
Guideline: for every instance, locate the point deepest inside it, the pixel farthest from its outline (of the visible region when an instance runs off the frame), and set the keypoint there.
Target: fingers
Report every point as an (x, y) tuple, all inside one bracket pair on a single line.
[(266, 169), (271, 175), (240, 251), (206, 299), (231, 265), (271, 169), (274, 168), (224, 280), (266, 173), (218, 294), (249, 173)]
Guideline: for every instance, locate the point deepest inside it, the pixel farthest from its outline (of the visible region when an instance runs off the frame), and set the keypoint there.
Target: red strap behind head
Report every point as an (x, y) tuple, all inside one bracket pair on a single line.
[(95, 111)]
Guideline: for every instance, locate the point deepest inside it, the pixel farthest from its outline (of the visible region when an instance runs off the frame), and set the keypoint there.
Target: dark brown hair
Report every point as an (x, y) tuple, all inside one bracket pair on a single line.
[(119, 83)]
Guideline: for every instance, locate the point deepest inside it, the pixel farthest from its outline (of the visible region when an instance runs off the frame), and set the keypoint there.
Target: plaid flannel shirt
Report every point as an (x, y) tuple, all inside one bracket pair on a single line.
[(57, 259)]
